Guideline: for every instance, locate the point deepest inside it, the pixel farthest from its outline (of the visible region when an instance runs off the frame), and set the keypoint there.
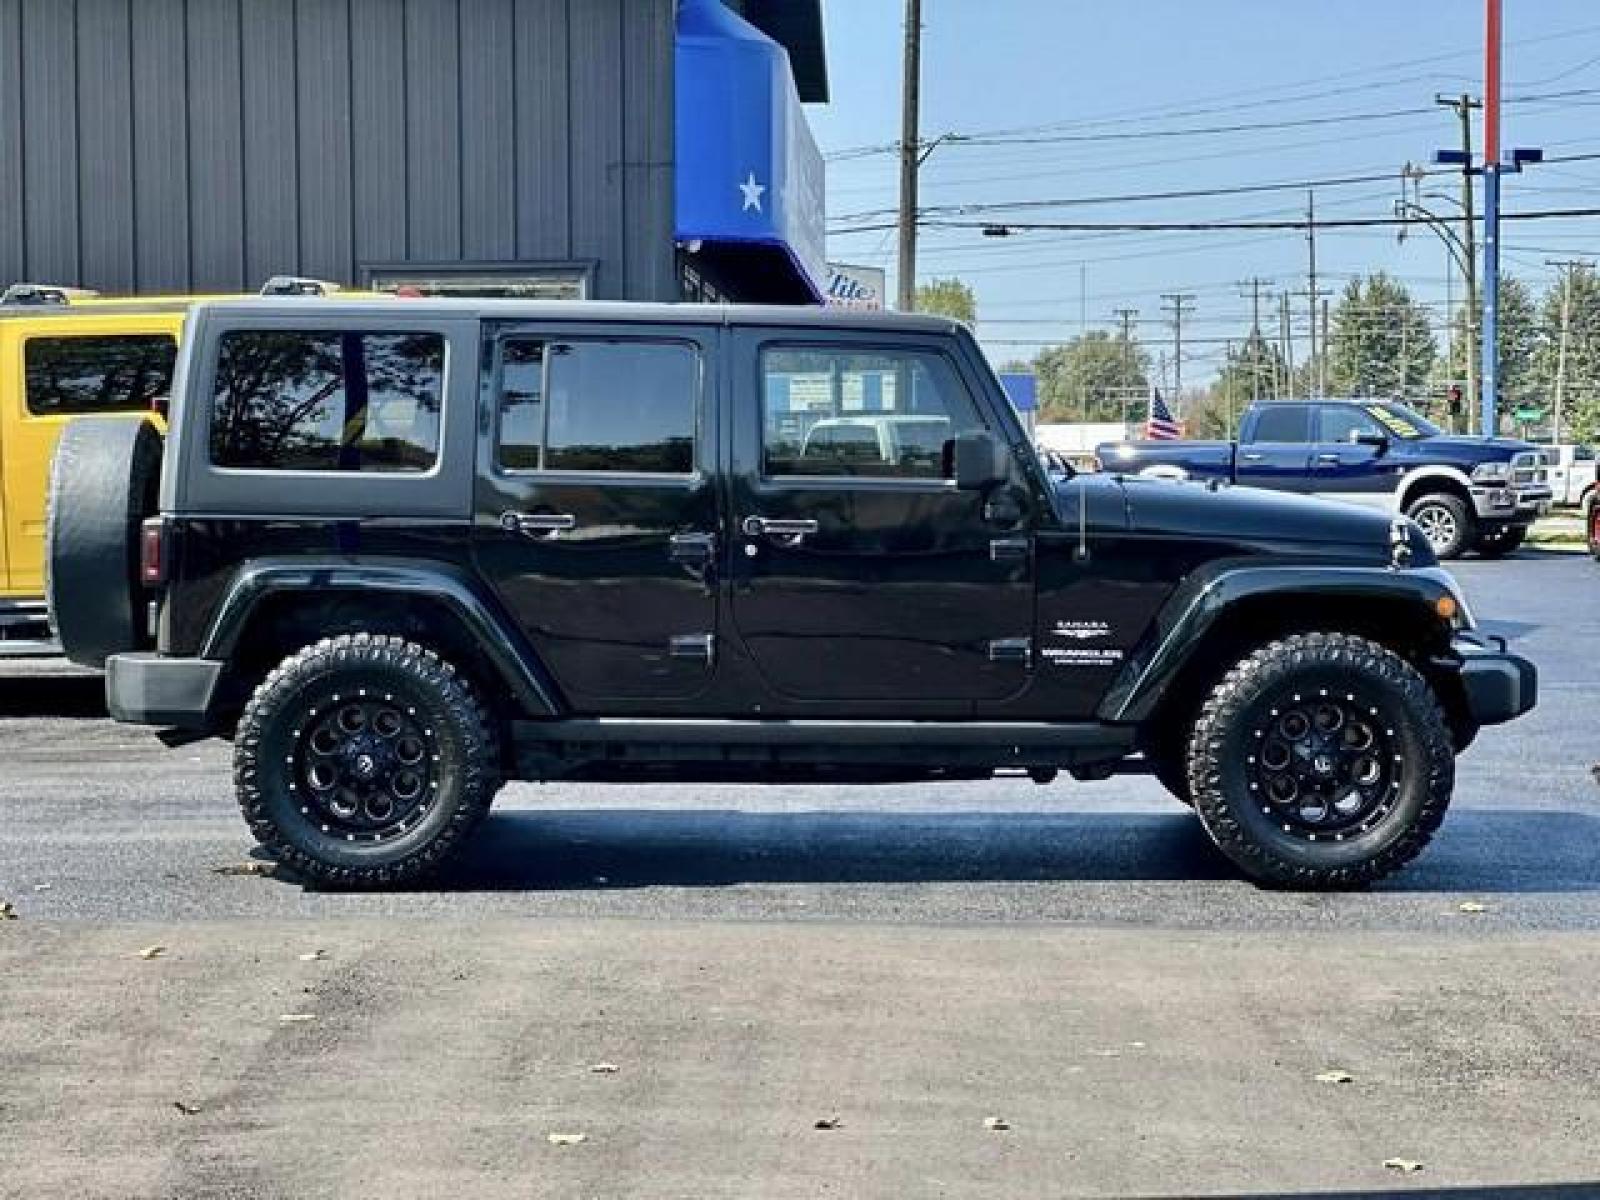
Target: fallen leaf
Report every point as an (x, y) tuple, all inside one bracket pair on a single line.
[(604, 1069), (1136, 1045), (314, 956), (1336, 1077), (1472, 906), (41, 887), (1404, 1166), (996, 1123), (188, 1110), (568, 1139), (253, 867), (296, 1018), (7, 913), (152, 952), (828, 1123)]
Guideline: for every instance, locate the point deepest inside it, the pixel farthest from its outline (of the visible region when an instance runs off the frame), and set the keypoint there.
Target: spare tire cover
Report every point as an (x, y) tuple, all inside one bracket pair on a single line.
[(102, 486)]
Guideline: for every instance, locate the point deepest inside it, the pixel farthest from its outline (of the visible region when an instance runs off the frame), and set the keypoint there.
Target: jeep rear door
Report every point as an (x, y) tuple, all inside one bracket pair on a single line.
[(866, 582), (596, 510)]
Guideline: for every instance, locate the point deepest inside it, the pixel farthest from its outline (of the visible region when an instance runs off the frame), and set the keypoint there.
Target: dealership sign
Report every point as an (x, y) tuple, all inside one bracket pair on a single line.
[(855, 287)]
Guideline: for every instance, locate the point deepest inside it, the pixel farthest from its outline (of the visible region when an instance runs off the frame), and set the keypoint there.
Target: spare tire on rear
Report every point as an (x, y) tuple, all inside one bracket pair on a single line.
[(102, 486)]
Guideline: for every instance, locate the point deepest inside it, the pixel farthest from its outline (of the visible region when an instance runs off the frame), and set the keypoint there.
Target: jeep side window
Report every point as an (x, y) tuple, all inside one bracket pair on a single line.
[(1282, 423), (327, 401), (886, 414), (624, 406), (120, 373)]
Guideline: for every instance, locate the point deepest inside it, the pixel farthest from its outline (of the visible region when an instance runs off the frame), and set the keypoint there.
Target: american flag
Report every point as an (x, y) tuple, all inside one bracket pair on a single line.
[(1161, 425)]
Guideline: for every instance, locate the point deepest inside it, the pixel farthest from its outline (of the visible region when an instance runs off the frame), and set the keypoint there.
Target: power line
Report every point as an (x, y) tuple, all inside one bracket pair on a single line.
[(1220, 226)]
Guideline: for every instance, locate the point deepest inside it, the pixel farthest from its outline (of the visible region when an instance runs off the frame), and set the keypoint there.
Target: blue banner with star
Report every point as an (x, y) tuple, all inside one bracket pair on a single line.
[(748, 169)]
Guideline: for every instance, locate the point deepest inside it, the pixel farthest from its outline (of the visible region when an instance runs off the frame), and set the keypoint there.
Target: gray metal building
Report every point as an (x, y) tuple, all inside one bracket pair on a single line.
[(204, 145)]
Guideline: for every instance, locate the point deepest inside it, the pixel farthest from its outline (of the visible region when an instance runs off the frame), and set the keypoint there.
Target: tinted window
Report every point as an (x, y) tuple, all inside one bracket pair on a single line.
[(1336, 424), (1281, 423), (598, 406), (894, 414), (97, 374), (292, 401)]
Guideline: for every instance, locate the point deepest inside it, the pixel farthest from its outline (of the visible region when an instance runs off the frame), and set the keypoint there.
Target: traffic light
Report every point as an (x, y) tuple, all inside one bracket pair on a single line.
[(1455, 399)]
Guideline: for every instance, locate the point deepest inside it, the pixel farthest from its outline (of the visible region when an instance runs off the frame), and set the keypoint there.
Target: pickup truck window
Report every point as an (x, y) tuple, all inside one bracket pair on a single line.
[(1282, 423), (890, 414), (121, 373), (1401, 422), (626, 406), (327, 401), (1340, 422)]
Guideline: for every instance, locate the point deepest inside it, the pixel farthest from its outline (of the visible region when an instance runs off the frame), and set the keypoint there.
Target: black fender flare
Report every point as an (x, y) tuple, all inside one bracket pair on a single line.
[(1204, 600), (502, 642)]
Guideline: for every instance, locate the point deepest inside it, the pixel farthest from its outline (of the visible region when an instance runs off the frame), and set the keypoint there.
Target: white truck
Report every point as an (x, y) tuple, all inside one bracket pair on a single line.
[(1571, 472)]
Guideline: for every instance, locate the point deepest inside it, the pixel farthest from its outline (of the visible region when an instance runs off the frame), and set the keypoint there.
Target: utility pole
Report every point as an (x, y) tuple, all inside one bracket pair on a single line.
[(1322, 363), (1464, 105), (1227, 387), (1566, 266), (1179, 305), (1252, 287), (1489, 422), (1126, 316), (910, 155), (1313, 294), (1288, 345)]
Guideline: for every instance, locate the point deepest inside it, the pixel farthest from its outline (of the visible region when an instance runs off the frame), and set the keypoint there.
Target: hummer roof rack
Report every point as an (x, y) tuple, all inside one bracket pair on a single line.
[(44, 293), (295, 285)]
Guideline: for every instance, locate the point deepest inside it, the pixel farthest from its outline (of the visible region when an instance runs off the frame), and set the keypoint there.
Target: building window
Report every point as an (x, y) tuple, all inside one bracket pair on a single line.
[(512, 282), (114, 373), (623, 406), (327, 401)]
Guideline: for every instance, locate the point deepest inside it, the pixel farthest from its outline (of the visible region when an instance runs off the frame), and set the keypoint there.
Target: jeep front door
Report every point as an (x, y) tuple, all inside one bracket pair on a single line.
[(861, 575), (596, 512)]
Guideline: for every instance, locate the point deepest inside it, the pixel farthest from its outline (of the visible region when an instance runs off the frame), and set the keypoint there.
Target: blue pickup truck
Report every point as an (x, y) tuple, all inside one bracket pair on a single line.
[(1467, 493)]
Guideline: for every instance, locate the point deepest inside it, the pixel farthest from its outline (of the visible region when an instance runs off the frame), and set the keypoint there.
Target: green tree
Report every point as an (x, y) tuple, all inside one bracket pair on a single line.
[(1091, 378), (1382, 341), (948, 298), (1521, 338), (1253, 370), (1580, 419)]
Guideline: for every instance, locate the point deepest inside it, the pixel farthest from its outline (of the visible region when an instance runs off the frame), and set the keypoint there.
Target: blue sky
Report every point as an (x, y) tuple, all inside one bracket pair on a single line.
[(1149, 67)]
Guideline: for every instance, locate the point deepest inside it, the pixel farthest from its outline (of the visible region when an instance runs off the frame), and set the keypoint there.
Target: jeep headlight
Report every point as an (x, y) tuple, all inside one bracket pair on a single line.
[(1492, 472)]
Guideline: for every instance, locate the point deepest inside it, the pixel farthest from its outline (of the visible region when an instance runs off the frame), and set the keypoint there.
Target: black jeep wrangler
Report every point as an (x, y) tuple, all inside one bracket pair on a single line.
[(405, 551)]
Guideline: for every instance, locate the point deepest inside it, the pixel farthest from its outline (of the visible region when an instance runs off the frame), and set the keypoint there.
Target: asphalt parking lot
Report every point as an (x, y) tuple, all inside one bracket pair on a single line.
[(1071, 959)]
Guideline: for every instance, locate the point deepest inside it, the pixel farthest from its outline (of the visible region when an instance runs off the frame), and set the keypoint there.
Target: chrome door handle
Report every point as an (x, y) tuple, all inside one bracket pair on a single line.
[(792, 532), (1333, 459), (1252, 457), (541, 527)]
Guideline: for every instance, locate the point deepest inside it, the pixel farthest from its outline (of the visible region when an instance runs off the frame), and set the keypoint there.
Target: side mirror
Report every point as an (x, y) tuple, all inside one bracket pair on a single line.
[(980, 463), (1377, 441)]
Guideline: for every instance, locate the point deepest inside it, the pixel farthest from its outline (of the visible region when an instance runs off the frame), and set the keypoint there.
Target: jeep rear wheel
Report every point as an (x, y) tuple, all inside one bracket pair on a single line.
[(1321, 761), (364, 760), (1445, 521)]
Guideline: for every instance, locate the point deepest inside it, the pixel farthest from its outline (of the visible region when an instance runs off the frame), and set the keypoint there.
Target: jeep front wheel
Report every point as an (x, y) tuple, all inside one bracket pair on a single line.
[(1321, 761), (364, 760), (1445, 521)]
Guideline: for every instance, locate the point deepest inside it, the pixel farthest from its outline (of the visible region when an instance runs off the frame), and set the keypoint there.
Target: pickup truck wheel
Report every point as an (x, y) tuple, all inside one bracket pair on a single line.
[(1501, 540), (364, 760), (1321, 761), (1445, 522)]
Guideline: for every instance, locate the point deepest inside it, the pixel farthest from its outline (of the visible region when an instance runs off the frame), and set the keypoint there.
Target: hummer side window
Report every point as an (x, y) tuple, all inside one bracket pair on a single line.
[(624, 406), (327, 401), (120, 373), (894, 414)]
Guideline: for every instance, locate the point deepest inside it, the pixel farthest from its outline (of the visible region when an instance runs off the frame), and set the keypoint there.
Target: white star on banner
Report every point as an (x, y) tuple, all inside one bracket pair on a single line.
[(752, 192)]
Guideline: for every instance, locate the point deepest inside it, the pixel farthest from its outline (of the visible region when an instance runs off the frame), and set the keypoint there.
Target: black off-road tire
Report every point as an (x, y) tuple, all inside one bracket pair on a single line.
[(103, 484), (273, 792), (1438, 512), (1227, 736), (1501, 540)]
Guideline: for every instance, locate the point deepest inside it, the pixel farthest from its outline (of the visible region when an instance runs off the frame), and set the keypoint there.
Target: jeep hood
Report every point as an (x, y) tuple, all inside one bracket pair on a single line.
[(1246, 515)]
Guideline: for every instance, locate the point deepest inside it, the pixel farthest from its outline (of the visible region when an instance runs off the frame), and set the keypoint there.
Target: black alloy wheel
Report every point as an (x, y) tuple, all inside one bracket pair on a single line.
[(364, 760)]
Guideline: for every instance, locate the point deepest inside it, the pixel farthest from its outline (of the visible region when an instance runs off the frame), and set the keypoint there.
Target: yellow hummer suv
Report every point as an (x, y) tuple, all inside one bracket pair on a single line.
[(67, 353)]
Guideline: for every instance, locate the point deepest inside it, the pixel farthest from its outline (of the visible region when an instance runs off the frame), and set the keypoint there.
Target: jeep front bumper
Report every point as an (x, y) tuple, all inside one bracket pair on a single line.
[(1498, 686), (175, 693), (1514, 505)]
